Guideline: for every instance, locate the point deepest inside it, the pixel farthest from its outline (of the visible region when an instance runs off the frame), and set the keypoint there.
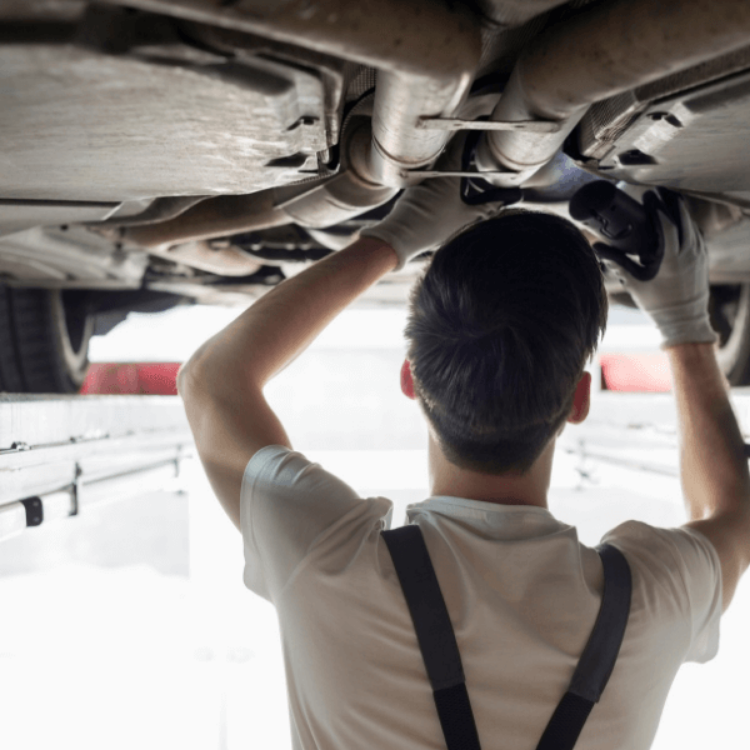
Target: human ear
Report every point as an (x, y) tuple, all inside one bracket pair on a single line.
[(581, 400), (407, 383)]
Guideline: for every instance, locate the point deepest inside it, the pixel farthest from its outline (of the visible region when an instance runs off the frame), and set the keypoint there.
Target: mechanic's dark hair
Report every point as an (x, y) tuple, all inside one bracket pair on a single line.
[(500, 329)]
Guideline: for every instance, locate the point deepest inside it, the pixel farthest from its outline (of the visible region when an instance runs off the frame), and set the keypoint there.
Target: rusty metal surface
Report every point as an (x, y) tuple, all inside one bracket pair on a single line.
[(79, 126)]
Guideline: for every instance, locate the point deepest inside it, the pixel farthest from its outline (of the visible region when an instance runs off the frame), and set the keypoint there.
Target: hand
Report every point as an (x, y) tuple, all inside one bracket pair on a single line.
[(428, 214), (677, 298)]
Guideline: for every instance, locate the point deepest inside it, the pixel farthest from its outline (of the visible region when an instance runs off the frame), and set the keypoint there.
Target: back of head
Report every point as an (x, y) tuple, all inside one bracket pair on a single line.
[(500, 329)]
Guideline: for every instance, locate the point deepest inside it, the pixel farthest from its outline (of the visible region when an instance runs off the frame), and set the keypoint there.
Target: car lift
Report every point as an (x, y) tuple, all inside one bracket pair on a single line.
[(59, 455)]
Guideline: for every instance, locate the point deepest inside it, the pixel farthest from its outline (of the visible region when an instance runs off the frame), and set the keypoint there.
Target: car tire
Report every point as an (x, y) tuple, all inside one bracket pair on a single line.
[(44, 341), (730, 317)]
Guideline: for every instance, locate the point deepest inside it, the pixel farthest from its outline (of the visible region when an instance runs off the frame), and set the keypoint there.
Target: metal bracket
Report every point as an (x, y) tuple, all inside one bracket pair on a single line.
[(34, 511), (454, 123), (509, 176)]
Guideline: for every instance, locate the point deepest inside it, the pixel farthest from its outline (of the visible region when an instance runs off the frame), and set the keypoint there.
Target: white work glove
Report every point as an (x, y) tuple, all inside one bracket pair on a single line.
[(676, 299), (428, 214)]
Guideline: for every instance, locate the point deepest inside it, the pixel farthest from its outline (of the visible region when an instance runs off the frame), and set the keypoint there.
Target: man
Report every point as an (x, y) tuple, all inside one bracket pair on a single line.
[(500, 329)]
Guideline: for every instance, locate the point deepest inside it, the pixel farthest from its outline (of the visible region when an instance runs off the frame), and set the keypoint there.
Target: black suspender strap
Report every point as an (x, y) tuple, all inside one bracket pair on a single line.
[(598, 659), (435, 636), (442, 659)]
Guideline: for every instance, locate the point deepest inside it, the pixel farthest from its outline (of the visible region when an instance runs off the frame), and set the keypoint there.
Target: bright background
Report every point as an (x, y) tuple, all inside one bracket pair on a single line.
[(129, 626)]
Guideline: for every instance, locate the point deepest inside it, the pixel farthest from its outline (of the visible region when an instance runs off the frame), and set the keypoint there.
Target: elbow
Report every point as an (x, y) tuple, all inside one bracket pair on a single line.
[(181, 380), (187, 374), (184, 379)]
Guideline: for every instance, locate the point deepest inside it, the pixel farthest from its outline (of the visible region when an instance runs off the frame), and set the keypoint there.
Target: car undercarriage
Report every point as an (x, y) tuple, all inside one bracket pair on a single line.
[(166, 152)]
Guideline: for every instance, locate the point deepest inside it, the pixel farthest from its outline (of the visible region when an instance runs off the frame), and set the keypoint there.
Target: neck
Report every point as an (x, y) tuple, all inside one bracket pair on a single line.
[(503, 489)]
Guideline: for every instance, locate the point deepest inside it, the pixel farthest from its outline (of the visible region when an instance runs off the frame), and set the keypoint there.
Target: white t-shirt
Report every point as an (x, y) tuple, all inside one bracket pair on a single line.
[(522, 592)]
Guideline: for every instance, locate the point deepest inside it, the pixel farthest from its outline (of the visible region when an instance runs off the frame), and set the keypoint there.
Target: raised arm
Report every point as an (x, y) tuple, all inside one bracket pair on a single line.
[(222, 383), (713, 467)]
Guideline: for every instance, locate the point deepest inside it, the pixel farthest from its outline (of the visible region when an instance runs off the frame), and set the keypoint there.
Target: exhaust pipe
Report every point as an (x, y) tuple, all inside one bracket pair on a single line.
[(425, 51), (317, 204), (213, 217), (610, 49)]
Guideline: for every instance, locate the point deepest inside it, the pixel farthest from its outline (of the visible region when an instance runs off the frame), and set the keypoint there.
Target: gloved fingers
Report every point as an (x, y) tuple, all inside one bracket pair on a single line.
[(676, 222), (683, 242), (427, 198), (670, 203), (621, 264), (691, 235), (670, 236)]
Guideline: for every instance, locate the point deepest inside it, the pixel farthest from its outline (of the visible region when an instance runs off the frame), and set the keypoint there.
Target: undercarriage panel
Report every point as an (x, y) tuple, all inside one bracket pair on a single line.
[(693, 141), (81, 126)]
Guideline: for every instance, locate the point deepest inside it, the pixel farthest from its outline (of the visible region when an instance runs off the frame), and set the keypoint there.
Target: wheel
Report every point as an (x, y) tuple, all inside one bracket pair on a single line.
[(729, 307), (44, 341)]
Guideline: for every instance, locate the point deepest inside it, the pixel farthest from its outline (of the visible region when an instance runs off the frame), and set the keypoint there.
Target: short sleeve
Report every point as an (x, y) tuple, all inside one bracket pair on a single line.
[(682, 563), (288, 504)]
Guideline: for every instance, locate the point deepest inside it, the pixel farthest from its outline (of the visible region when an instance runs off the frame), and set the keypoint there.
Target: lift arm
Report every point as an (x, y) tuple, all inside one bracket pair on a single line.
[(62, 454)]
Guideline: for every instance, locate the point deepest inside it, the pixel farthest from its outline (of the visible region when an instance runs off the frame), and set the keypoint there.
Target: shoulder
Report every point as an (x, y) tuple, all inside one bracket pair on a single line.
[(291, 506), (645, 539), (676, 578), (279, 474), (681, 553)]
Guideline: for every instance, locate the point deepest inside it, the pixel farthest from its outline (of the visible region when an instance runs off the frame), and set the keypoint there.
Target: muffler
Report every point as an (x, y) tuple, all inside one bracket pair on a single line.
[(614, 47)]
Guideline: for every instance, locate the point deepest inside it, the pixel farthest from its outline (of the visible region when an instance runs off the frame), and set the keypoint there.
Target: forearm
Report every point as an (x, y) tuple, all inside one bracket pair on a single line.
[(282, 323), (713, 467)]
